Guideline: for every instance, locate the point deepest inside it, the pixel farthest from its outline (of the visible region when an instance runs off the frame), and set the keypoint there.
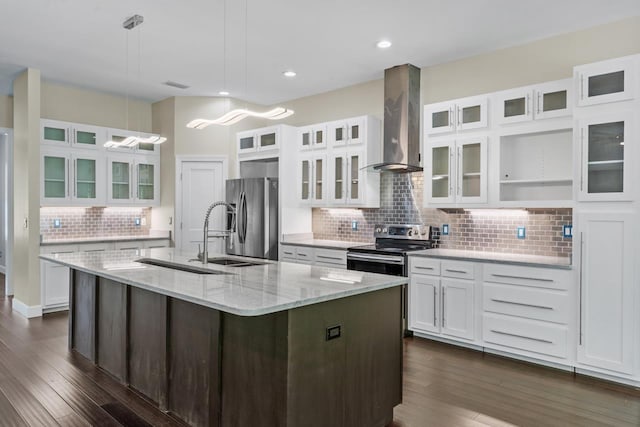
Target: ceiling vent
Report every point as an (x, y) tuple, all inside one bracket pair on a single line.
[(176, 85)]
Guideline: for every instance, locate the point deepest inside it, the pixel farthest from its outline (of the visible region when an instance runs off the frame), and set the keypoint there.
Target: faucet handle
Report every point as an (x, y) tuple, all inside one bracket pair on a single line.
[(199, 252)]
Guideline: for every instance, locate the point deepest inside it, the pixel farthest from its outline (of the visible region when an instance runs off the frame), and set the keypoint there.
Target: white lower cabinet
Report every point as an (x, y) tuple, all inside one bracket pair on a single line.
[(527, 310), (439, 302), (608, 293), (335, 258)]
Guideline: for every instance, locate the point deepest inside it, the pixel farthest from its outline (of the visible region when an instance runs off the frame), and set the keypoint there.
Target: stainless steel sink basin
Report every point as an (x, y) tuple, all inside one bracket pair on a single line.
[(230, 262), (177, 266)]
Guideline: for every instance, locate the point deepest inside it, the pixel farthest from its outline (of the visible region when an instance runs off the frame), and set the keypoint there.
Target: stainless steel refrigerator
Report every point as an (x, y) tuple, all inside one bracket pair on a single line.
[(256, 204)]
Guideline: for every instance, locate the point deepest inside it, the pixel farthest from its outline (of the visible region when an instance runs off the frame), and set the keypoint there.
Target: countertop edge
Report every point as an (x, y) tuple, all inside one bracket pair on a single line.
[(493, 261), (344, 247)]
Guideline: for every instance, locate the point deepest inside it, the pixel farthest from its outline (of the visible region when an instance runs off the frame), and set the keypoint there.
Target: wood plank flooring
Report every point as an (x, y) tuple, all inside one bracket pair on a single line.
[(42, 384)]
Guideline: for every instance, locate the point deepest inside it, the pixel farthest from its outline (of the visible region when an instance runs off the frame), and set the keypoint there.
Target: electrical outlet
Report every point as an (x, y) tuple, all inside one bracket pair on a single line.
[(136, 221), (144, 221), (354, 225), (445, 229), (522, 233), (567, 231), (57, 223)]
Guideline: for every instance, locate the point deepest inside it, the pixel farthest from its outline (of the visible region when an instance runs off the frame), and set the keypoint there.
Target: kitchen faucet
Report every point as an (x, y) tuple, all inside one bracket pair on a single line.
[(224, 234)]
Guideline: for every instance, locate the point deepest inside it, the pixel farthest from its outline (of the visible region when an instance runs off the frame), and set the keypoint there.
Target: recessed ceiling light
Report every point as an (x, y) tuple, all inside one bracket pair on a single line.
[(289, 73), (383, 44), (223, 93)]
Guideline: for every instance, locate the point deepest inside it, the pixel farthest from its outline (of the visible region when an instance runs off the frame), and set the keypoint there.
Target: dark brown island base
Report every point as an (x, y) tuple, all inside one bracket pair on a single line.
[(332, 363)]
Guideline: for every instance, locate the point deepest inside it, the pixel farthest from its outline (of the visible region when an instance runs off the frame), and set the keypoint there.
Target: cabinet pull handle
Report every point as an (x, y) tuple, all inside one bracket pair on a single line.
[(450, 174), (580, 294), (522, 304), (435, 299), (581, 86), (507, 276), (302, 254), (522, 336), (459, 193), (451, 123), (527, 107), (75, 178), (69, 136), (444, 313), (456, 271), (581, 159), (328, 257), (539, 109), (68, 179), (459, 114), (417, 267)]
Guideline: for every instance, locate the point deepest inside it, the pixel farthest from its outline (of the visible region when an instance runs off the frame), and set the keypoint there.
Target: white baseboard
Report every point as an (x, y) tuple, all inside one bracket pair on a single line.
[(28, 311)]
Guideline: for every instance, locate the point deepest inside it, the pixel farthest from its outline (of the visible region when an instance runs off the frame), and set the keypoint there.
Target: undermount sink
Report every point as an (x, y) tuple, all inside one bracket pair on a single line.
[(230, 262), (177, 266)]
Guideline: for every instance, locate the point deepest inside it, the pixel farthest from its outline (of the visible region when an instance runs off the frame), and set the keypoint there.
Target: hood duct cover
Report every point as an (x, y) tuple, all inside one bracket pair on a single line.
[(401, 143)]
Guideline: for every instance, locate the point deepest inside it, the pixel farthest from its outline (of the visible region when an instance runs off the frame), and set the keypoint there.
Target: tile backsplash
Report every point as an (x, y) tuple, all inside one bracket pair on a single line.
[(77, 223), (478, 229)]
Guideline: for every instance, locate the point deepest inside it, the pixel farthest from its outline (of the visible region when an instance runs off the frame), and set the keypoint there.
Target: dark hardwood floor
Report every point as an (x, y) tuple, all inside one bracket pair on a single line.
[(42, 384)]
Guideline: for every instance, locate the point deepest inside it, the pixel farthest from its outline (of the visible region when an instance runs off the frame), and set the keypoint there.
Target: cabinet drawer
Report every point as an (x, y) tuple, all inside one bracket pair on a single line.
[(528, 276), (58, 249), (304, 254), (288, 252), (532, 303), (420, 265), (524, 334), (331, 256), (458, 270)]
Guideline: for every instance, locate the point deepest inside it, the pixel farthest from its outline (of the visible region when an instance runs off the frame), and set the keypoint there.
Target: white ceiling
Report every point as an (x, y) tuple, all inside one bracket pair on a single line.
[(330, 43)]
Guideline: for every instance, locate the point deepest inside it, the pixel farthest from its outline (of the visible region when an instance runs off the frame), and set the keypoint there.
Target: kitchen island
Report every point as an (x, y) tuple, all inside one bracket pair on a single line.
[(273, 344)]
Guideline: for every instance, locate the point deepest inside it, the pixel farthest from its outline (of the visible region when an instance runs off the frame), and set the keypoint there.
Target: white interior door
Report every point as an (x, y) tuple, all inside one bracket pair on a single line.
[(4, 205), (201, 184)]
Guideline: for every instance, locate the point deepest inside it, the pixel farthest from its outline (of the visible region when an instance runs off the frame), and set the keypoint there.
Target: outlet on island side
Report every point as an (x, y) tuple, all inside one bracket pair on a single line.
[(334, 332)]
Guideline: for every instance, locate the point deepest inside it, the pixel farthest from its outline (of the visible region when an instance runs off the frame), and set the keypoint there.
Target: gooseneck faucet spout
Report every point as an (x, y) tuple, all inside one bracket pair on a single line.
[(223, 234)]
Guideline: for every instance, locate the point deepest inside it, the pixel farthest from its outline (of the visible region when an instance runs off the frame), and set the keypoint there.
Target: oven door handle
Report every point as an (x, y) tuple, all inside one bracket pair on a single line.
[(376, 258)]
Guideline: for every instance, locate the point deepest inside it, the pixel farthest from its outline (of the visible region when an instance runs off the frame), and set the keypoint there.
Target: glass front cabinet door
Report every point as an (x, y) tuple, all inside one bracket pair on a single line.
[(338, 189), (439, 185), (319, 174), (472, 170), (304, 180), (54, 133), (147, 179), (605, 157), (268, 139), (92, 137), (246, 142), (87, 185), (355, 193), (119, 178), (606, 81), (54, 184)]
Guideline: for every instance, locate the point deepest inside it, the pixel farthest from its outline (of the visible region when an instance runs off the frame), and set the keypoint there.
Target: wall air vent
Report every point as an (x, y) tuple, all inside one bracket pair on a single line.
[(175, 84)]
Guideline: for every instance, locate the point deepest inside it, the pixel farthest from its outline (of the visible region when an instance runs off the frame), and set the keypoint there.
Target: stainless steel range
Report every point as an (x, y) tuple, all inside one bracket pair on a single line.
[(388, 255)]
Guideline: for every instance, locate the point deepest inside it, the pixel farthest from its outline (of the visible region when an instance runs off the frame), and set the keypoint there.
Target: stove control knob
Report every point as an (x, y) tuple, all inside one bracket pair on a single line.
[(384, 230), (378, 230), (410, 233)]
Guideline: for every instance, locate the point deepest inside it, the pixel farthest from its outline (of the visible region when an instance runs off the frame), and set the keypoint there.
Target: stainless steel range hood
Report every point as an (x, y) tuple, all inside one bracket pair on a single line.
[(401, 143)]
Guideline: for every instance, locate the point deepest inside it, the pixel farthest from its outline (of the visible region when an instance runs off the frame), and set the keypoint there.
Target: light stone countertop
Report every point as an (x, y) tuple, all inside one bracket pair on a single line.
[(246, 291), (325, 244), (497, 257), (104, 239)]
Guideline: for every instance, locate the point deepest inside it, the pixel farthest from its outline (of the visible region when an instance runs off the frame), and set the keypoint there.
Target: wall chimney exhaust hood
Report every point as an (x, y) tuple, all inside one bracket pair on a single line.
[(401, 126)]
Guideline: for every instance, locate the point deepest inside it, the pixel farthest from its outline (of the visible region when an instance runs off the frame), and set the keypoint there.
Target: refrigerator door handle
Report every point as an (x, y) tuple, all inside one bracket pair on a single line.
[(242, 216)]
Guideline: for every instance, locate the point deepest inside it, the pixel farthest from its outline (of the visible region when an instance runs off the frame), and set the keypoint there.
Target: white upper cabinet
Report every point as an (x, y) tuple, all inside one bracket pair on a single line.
[(347, 178), (64, 134), (312, 137), (119, 135), (258, 140), (607, 81), (71, 178), (133, 180), (312, 173), (542, 101), (347, 132), (456, 171), (458, 115), (606, 144)]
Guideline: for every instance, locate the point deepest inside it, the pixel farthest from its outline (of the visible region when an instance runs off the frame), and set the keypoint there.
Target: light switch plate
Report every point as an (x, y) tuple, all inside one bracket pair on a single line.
[(445, 229), (522, 233), (567, 231), (354, 225), (136, 221)]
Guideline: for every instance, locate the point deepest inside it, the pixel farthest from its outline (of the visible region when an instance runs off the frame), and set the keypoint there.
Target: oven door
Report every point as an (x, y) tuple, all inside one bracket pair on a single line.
[(377, 263)]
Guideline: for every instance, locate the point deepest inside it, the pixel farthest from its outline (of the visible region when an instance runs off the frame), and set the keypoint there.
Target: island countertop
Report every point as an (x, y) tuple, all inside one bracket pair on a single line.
[(246, 291)]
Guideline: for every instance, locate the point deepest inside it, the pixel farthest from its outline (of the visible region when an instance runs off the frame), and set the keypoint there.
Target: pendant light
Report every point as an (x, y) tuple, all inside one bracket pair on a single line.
[(131, 141), (234, 116)]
